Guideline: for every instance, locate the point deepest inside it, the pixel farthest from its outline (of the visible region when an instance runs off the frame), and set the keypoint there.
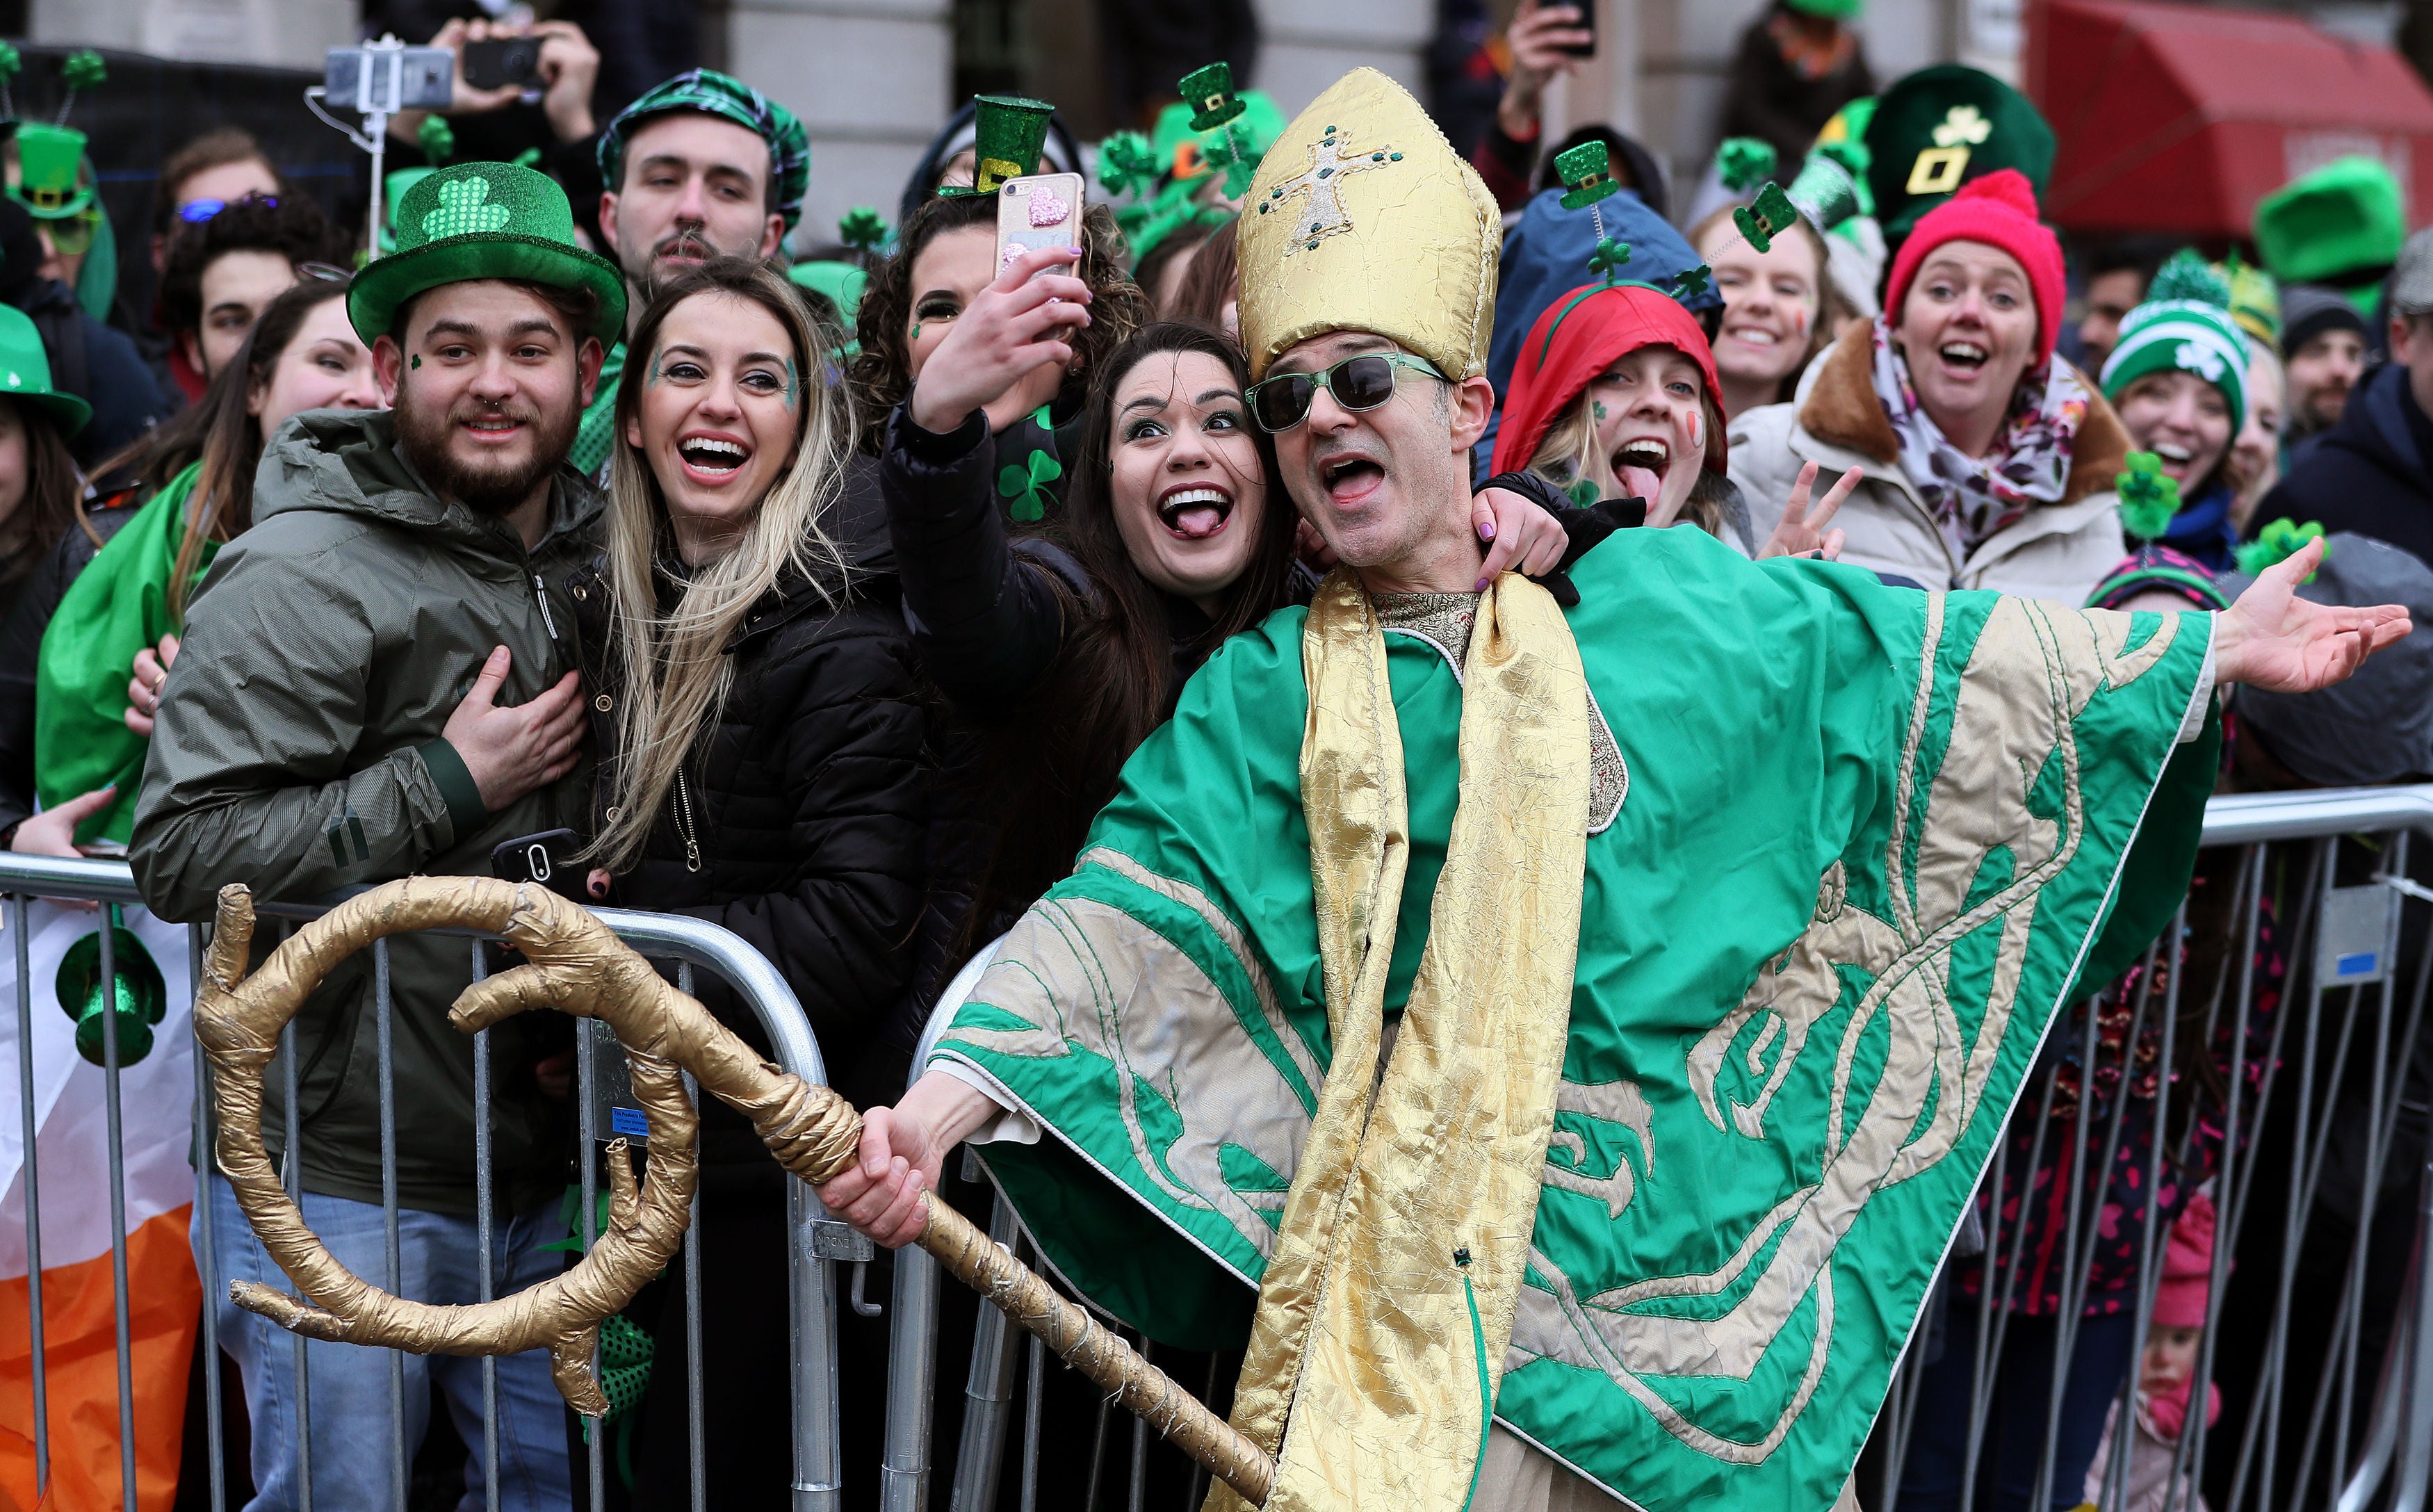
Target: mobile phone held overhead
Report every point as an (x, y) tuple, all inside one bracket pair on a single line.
[(1038, 212)]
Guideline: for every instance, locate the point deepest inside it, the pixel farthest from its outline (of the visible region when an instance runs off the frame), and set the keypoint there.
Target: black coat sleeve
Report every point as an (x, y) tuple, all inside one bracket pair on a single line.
[(988, 623), (850, 756), (21, 646)]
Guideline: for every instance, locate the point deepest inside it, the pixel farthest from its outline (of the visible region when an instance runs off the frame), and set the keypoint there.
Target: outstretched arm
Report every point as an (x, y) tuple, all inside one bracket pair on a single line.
[(2273, 639), (902, 1150)]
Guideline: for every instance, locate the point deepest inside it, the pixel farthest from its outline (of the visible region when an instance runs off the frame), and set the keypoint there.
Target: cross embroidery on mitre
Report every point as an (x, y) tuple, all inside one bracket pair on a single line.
[(1322, 216)]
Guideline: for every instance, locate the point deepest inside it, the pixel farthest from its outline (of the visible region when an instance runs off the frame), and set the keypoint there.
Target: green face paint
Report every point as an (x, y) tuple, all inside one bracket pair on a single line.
[(653, 382), (417, 361), (792, 381), (1597, 405), (916, 332)]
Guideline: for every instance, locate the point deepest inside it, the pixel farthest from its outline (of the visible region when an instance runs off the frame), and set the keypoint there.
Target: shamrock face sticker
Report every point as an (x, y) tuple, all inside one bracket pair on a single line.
[(463, 210)]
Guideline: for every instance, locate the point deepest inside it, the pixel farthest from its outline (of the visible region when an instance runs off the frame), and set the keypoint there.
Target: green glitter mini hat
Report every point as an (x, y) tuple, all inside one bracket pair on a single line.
[(482, 220), (1009, 132)]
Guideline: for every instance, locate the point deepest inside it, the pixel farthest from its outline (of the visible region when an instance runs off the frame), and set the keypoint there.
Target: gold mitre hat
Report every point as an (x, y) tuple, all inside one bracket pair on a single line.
[(1363, 218)]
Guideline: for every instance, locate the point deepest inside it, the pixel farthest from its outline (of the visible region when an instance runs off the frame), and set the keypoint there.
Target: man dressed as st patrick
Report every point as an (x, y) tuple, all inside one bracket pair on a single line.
[(1558, 1043)]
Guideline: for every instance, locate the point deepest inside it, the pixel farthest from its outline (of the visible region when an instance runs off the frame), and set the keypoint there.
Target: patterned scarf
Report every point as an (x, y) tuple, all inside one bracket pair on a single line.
[(1975, 498)]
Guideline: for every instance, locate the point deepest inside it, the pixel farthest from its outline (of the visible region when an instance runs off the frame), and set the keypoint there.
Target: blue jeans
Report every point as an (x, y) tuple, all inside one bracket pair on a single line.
[(349, 1403)]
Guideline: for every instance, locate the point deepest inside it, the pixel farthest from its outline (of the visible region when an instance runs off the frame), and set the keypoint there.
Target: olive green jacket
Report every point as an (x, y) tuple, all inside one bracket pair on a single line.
[(297, 751)]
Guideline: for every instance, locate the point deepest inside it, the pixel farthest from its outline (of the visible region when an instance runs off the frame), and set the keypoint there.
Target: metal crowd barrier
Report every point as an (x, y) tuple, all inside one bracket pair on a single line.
[(2353, 1435), (815, 1242)]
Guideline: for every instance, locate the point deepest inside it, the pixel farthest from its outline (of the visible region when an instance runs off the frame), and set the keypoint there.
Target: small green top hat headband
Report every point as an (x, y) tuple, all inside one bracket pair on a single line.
[(1209, 92), (1587, 172), (1008, 132), (50, 181)]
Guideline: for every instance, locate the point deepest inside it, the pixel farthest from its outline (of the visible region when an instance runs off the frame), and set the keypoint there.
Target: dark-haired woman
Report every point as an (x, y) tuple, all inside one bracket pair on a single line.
[(82, 657), (947, 259), (760, 732), (38, 483)]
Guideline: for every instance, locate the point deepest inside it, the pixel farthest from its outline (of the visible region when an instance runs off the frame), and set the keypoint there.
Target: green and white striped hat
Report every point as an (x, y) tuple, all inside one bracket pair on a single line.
[(2185, 325)]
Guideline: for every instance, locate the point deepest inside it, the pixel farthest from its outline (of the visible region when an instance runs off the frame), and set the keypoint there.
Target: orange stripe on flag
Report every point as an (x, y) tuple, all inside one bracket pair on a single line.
[(81, 1355)]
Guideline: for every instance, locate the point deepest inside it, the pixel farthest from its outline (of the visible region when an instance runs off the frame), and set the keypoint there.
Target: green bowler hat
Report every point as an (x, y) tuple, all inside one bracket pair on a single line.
[(1009, 132), (49, 179), (2335, 225), (482, 220), (1937, 128), (26, 373)]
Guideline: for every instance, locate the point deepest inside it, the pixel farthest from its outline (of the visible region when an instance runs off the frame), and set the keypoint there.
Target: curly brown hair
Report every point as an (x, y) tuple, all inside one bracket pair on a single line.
[(882, 376)]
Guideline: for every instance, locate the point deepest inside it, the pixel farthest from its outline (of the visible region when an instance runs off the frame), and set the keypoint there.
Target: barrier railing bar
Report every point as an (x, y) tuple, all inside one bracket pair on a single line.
[(595, 1430), (1991, 1337), (1198, 1485), (2115, 1466), (696, 1444), (1032, 1398), (2417, 1466), (206, 1257), (383, 1026), (1140, 1445), (33, 1196), (2073, 1269), (988, 1389), (485, 1234), (292, 1174), (117, 1145)]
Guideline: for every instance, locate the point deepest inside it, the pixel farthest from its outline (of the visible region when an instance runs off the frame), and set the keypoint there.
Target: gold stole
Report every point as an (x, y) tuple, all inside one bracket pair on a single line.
[(1387, 1304)]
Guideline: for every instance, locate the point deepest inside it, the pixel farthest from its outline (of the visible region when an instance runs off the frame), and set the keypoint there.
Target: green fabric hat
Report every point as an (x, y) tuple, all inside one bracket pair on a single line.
[(1837, 9), (26, 373), (2335, 225), (841, 284), (2185, 325), (1009, 132), (482, 220), (393, 192), (711, 93), (1935, 129), (51, 180), (2255, 299)]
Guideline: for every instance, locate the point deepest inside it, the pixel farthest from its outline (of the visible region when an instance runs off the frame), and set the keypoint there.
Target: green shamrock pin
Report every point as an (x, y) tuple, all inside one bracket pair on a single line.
[(1608, 259), (1126, 165), (862, 228), (1027, 485), (463, 210), (2277, 542), (2149, 497), (1745, 161)]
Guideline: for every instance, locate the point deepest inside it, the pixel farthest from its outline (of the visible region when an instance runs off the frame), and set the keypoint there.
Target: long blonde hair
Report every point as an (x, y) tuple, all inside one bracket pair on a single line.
[(676, 666)]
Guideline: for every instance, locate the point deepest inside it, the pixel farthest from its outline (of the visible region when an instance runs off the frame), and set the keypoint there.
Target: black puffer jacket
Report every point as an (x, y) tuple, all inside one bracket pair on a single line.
[(804, 808), (20, 644)]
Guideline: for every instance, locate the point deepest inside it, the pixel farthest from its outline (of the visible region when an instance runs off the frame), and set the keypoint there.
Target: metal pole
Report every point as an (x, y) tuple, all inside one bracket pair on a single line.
[(33, 1198), (595, 1430), (117, 1211), (485, 1235), (696, 1443), (987, 1391), (383, 1026), (206, 1253)]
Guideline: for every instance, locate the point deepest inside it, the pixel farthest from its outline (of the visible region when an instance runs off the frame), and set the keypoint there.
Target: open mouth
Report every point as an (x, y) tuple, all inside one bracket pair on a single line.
[(1752, 336), (1195, 511), (493, 429), (1639, 465), (712, 459), (2175, 458), (1965, 355), (1349, 477)]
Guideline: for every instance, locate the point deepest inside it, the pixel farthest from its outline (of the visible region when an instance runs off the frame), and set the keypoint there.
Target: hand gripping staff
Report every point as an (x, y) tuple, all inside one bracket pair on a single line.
[(574, 963)]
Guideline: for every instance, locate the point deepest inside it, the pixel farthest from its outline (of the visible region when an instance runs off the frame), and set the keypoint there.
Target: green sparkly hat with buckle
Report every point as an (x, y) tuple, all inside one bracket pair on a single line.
[(482, 220), (51, 180), (1009, 132)]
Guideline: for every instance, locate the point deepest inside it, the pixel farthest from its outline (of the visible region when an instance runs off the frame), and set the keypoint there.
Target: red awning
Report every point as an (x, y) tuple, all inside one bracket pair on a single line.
[(2175, 118)]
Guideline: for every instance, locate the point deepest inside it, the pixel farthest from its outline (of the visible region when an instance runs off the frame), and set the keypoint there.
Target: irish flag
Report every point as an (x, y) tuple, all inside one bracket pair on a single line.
[(80, 1344)]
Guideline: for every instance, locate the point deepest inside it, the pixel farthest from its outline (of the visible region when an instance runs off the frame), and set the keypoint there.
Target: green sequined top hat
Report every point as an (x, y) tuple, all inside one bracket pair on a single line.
[(1209, 93), (2338, 225), (482, 220), (1939, 128), (51, 180), (1009, 133), (711, 93), (26, 373), (1587, 172)]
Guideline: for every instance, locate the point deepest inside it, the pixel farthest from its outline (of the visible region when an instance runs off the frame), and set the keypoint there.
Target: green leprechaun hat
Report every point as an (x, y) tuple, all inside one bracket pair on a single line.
[(2338, 225), (482, 220), (1009, 132), (1587, 172), (1209, 93), (1939, 128), (26, 373), (51, 180)]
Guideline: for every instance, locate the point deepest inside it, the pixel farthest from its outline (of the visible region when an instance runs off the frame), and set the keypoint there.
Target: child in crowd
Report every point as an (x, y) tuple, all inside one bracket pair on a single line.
[(2166, 1373)]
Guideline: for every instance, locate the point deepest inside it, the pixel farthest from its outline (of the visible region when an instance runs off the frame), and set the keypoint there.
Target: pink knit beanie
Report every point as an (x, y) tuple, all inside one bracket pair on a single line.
[(1998, 209)]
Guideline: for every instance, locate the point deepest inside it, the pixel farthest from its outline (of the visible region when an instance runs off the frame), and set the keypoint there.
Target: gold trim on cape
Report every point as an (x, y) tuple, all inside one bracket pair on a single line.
[(1417, 1191)]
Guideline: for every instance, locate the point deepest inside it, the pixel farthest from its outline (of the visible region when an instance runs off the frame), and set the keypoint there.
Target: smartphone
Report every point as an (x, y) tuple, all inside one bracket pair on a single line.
[(546, 858), (389, 79), (502, 61), (1588, 9), (1042, 210)]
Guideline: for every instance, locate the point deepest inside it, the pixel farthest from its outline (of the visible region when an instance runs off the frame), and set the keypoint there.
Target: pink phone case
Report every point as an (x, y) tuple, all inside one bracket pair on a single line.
[(1042, 210)]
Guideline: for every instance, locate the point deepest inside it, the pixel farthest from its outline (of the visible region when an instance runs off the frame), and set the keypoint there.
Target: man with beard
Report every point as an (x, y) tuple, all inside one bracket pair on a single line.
[(2326, 338), (377, 680), (702, 167)]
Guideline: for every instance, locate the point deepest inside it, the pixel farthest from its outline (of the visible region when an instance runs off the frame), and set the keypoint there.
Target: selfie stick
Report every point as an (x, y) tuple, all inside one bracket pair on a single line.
[(378, 82)]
